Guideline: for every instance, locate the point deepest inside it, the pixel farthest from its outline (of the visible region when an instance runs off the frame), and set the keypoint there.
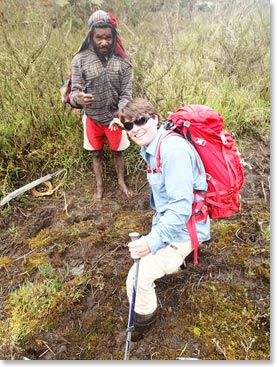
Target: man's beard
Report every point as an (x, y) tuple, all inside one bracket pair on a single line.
[(108, 51)]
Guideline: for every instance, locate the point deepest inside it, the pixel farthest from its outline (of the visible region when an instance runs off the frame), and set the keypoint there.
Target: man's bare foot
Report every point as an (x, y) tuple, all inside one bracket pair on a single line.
[(98, 195), (128, 192)]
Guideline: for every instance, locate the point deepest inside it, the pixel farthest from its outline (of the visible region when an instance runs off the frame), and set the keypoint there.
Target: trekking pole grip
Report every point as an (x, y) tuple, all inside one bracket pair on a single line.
[(134, 236)]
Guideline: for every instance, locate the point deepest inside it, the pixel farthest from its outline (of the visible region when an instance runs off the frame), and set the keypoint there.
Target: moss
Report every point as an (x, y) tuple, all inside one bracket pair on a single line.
[(261, 271), (93, 341), (47, 237), (81, 229), (34, 260), (213, 313), (29, 306), (132, 221), (44, 238), (37, 306), (223, 231), (5, 260)]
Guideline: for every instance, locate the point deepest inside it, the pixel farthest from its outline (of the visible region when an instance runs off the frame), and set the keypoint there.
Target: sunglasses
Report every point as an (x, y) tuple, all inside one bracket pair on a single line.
[(140, 121)]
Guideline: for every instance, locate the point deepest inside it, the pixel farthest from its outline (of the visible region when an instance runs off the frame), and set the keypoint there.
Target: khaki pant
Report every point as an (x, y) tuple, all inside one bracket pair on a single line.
[(151, 267)]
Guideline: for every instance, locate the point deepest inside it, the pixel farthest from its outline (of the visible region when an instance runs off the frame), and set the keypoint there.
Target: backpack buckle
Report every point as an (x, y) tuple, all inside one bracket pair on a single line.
[(169, 125), (186, 123), (223, 139), (200, 141)]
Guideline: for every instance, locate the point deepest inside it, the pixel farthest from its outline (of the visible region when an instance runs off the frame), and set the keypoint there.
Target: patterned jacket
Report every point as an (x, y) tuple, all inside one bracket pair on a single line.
[(109, 82)]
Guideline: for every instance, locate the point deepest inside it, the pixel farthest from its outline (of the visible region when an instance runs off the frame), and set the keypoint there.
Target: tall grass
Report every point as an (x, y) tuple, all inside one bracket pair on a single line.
[(221, 59), (218, 56)]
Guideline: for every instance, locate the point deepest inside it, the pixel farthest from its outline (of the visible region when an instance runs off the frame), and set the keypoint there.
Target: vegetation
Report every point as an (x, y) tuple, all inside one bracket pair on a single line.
[(213, 52)]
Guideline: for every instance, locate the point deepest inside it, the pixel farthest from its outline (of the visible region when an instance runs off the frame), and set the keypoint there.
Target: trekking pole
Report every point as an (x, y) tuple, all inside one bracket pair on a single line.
[(134, 236)]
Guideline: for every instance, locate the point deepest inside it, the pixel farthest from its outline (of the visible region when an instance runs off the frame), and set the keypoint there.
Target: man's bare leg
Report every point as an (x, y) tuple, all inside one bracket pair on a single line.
[(97, 156), (119, 167)]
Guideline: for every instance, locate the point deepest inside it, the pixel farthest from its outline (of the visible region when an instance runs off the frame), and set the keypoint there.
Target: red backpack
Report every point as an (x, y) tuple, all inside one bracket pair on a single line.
[(203, 127)]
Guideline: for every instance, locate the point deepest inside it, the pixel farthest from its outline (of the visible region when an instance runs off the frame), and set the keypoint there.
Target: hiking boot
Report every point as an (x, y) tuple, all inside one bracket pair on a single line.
[(142, 324)]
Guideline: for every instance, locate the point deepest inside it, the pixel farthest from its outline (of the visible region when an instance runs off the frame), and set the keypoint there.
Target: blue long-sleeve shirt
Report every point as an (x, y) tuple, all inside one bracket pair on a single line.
[(172, 190)]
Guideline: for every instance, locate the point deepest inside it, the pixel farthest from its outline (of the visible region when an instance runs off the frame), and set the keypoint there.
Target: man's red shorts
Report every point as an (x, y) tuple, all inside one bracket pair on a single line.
[(95, 136)]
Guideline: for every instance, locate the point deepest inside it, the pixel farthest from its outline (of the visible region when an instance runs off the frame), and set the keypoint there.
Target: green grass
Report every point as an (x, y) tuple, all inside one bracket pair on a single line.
[(219, 56)]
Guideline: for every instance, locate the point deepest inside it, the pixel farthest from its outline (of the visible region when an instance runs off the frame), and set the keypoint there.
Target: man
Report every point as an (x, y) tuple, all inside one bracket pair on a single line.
[(102, 85), (163, 250)]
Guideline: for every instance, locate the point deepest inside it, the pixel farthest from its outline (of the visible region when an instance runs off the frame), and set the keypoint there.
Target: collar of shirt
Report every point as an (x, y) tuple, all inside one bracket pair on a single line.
[(150, 150)]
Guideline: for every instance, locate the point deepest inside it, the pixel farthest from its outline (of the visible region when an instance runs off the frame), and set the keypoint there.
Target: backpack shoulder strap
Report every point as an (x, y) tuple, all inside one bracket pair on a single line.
[(158, 155), (199, 208)]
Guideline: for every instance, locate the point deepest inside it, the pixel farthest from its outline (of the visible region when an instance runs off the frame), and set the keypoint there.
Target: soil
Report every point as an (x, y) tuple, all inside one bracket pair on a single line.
[(216, 310)]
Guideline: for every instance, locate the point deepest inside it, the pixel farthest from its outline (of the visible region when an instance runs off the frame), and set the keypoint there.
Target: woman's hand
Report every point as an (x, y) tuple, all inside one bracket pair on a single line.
[(139, 248), (115, 124)]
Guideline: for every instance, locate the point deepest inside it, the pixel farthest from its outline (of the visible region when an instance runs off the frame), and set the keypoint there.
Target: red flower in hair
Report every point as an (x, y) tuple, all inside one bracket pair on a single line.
[(113, 20)]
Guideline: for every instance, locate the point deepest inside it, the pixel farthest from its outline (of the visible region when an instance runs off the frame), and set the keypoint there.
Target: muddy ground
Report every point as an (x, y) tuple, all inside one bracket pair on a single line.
[(216, 310)]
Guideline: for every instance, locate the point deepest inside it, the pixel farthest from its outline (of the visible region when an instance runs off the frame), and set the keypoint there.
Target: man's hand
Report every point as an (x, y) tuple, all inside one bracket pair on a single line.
[(83, 99), (139, 248)]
